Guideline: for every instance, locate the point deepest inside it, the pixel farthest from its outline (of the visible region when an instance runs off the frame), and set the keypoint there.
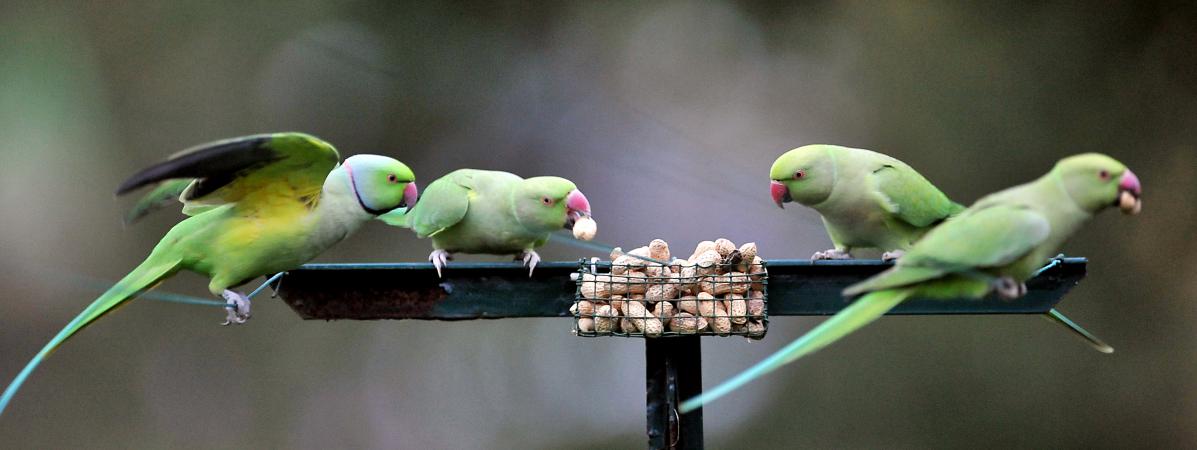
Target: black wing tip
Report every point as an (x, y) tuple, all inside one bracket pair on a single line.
[(197, 161), (128, 186), (137, 181)]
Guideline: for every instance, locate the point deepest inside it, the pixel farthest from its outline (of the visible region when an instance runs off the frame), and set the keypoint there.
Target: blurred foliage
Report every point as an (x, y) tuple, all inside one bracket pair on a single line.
[(667, 114)]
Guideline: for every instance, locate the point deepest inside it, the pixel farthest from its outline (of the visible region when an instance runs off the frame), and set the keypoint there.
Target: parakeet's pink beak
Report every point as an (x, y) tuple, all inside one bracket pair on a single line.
[(1130, 183), (781, 194), (411, 193), (1129, 192), (576, 207)]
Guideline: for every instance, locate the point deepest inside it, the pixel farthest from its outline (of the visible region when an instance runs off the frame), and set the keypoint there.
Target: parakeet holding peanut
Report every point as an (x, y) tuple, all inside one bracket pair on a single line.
[(493, 212)]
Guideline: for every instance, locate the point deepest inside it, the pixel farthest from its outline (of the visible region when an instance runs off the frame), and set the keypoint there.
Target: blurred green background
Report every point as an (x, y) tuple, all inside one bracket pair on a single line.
[(667, 114)]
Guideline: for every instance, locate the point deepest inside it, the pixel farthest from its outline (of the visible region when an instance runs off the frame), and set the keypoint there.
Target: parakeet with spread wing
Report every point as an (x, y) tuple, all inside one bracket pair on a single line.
[(259, 205), (866, 199), (492, 212), (993, 246)]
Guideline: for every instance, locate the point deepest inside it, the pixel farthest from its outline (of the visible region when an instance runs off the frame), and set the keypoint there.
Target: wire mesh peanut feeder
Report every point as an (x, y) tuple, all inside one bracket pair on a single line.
[(711, 294)]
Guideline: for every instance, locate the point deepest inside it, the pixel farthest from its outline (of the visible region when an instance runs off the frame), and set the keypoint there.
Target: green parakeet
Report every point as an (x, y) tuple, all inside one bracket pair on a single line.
[(491, 212), (866, 199), (995, 245), (259, 205)]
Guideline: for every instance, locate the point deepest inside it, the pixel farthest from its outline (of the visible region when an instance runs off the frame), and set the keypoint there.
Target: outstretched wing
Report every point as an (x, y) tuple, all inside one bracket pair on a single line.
[(247, 171), (985, 238), (442, 204), (908, 196)]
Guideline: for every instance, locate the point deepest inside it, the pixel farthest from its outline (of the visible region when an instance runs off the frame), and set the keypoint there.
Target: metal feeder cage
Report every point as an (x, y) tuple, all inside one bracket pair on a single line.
[(654, 300)]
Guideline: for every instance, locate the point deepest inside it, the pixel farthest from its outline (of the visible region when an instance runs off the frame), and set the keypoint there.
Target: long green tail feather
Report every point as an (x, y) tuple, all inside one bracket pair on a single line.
[(1056, 316), (144, 277), (858, 314)]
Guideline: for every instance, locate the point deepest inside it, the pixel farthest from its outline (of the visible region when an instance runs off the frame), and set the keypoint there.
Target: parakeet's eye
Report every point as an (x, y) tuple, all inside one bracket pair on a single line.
[(1103, 174), (799, 174), (546, 201), (391, 178)]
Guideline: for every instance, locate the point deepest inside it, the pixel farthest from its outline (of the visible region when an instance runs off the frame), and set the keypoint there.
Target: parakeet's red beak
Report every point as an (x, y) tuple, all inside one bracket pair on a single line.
[(576, 207), (1129, 192), (411, 193), (781, 194), (1130, 183)]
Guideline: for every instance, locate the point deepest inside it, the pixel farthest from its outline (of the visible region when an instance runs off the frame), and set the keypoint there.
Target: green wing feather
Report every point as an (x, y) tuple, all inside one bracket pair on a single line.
[(248, 171), (860, 313), (910, 197), (442, 204), (978, 239), (152, 271), (300, 164), (164, 194)]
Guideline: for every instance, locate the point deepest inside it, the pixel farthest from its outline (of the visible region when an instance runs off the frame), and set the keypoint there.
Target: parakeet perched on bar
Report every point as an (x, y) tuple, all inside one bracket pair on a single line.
[(866, 199), (259, 205), (492, 212), (993, 246)]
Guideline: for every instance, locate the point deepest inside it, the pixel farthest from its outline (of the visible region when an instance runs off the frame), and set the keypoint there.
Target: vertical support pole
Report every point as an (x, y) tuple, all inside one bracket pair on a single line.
[(673, 369)]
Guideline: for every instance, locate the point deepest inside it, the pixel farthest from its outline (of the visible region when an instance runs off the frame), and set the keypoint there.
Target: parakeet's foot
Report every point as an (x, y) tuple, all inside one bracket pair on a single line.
[(1008, 288), (530, 260), (892, 255), (834, 253), (439, 258), (237, 306)]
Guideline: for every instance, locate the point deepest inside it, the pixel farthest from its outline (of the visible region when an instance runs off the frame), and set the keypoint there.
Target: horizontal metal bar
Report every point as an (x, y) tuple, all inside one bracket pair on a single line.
[(413, 291), (499, 290)]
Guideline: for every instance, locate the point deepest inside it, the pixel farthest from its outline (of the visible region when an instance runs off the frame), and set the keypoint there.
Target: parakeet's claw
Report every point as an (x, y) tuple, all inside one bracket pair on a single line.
[(1009, 289), (530, 260), (439, 258), (892, 255), (237, 306), (834, 253)]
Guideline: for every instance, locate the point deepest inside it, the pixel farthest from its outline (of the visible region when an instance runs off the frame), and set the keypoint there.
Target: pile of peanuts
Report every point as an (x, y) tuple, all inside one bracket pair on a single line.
[(718, 290)]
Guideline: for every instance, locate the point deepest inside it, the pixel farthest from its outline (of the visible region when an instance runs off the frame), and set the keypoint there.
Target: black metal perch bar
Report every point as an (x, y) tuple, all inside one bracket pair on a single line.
[(673, 368)]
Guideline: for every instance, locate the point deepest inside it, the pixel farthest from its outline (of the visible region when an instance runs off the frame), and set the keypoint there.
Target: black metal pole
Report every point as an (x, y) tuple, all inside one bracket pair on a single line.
[(673, 369)]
